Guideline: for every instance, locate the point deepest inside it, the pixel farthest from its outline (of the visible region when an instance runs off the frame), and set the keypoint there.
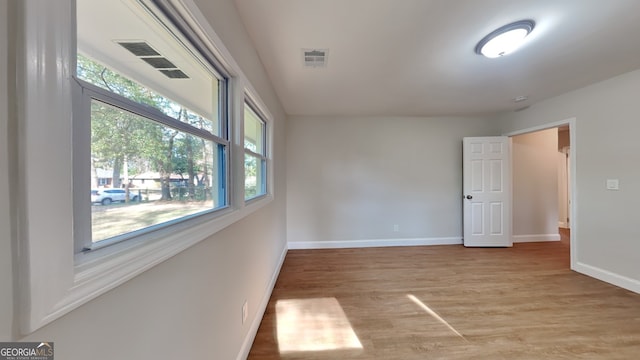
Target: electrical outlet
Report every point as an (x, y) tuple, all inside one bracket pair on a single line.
[(396, 228), (613, 184), (245, 311)]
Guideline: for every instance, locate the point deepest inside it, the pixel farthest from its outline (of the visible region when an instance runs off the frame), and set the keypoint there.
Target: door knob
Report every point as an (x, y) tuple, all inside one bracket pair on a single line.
[(469, 197)]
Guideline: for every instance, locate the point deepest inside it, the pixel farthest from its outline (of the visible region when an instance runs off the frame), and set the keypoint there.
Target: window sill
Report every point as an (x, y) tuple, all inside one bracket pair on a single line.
[(99, 271)]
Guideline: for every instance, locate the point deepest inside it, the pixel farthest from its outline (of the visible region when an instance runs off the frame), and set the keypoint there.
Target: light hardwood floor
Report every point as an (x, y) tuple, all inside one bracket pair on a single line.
[(445, 302)]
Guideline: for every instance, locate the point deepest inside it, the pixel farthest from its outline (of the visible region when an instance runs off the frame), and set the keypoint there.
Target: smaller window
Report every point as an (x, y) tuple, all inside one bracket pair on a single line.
[(255, 159)]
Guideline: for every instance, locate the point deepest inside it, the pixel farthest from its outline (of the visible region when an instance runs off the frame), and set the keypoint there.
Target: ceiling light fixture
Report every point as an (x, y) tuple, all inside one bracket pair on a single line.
[(505, 39)]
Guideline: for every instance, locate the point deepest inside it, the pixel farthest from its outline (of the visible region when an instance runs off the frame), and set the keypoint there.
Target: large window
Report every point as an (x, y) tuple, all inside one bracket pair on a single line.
[(136, 146), (158, 135), (255, 159)]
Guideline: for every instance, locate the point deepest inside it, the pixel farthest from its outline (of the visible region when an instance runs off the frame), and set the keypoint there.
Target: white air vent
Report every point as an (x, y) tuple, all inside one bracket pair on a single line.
[(315, 57)]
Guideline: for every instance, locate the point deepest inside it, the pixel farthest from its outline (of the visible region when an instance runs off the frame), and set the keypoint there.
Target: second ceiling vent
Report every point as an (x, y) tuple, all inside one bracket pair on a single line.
[(315, 57)]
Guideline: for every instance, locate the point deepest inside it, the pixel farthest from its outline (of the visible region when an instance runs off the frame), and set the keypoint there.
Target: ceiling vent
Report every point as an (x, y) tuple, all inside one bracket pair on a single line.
[(159, 62), (315, 57), (148, 54), (175, 74), (139, 48)]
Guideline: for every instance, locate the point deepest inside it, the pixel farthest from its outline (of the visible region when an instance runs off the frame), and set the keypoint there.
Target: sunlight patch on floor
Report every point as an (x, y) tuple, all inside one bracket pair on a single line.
[(313, 325), (433, 314)]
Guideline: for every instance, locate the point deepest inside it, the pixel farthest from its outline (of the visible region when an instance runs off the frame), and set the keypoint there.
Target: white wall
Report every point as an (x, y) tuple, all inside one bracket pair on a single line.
[(564, 177), (535, 186), (563, 138), (605, 146), (353, 179), (188, 307), (563, 191)]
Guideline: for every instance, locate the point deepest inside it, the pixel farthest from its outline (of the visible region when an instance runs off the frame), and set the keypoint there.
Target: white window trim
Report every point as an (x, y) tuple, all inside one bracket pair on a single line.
[(51, 279)]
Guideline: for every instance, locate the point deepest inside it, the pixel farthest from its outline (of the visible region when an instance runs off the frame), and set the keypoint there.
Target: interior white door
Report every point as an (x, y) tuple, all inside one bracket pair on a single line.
[(487, 191)]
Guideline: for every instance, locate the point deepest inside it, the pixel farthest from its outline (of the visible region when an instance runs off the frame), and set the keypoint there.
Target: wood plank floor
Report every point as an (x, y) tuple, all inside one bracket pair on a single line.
[(445, 302)]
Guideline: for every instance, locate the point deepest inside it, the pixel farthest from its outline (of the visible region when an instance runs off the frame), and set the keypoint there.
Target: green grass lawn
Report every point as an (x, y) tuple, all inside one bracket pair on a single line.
[(117, 219)]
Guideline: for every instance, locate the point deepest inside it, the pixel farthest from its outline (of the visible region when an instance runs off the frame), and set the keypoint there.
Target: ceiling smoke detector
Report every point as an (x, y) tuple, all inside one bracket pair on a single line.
[(315, 57)]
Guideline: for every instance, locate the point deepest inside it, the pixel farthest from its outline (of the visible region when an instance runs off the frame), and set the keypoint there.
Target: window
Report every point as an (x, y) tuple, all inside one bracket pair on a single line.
[(158, 134), (104, 137), (255, 159)]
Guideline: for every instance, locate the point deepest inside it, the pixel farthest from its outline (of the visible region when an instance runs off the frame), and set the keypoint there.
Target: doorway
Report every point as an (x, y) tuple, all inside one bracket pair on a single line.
[(525, 224)]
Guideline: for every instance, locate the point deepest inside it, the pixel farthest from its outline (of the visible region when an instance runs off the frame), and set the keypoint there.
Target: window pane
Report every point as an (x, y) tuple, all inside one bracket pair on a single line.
[(253, 131), (126, 39), (97, 74), (254, 176), (144, 173)]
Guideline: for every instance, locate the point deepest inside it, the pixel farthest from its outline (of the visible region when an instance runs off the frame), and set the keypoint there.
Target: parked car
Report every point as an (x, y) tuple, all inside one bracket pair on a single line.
[(107, 196)]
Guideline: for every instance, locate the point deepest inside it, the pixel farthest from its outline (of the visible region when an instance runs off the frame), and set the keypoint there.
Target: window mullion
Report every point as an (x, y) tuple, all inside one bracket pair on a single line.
[(81, 108)]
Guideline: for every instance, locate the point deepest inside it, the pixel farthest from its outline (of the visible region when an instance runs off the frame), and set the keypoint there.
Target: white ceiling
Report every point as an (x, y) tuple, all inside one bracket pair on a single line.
[(416, 57)]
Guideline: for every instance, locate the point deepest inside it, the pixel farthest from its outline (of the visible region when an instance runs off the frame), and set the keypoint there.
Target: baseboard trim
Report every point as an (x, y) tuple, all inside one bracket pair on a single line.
[(535, 238), (253, 330), (340, 244), (608, 277)]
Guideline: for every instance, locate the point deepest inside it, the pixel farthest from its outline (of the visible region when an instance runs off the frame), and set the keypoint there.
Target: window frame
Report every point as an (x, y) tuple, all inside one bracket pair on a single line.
[(85, 93), (52, 279), (264, 158)]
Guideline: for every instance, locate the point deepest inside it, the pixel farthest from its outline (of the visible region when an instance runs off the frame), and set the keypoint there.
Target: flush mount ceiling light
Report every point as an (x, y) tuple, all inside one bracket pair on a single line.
[(505, 39)]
